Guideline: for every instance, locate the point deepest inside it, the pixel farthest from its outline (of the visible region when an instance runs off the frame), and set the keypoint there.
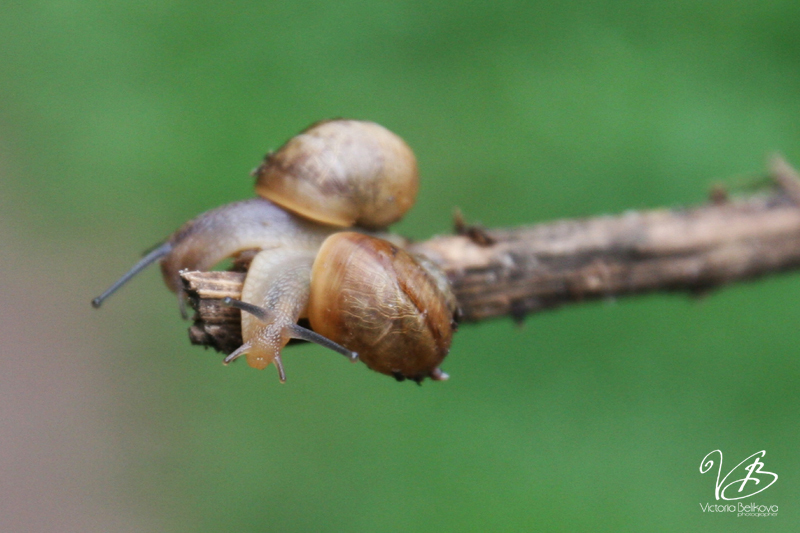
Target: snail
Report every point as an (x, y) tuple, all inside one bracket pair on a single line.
[(334, 175), (364, 298), (394, 309), (220, 233), (342, 172)]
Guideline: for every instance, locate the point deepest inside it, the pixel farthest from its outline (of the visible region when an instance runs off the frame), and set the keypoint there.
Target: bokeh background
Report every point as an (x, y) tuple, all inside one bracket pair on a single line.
[(121, 120)]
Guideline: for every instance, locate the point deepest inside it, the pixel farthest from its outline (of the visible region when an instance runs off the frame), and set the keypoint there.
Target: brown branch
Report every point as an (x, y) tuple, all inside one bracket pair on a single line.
[(515, 272)]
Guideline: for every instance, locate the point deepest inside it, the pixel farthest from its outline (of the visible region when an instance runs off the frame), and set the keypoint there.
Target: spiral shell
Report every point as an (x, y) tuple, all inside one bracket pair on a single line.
[(376, 299), (343, 173)]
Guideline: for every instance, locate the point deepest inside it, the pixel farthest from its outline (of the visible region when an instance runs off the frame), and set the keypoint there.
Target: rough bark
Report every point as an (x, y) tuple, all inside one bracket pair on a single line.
[(519, 271)]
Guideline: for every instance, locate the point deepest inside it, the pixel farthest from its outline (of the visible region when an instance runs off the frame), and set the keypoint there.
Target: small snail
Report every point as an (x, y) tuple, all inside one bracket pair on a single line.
[(360, 293), (394, 310), (342, 172), (333, 175)]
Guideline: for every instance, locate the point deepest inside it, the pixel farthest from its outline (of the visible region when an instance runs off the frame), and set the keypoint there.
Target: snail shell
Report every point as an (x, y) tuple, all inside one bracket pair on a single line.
[(376, 299), (343, 173)]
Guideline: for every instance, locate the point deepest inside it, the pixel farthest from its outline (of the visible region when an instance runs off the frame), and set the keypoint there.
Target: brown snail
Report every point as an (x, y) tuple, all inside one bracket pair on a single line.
[(360, 293), (335, 174), (394, 310), (342, 172)]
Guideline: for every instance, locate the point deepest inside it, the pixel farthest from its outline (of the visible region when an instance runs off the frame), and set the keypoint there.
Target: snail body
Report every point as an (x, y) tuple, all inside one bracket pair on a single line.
[(223, 232), (274, 297)]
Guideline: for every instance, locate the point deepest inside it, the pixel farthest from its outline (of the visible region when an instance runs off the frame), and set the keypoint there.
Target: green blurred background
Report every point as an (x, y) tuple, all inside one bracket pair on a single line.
[(121, 120)]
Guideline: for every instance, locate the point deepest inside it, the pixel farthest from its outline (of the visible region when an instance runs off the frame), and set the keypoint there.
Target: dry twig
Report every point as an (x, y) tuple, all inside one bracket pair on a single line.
[(524, 270)]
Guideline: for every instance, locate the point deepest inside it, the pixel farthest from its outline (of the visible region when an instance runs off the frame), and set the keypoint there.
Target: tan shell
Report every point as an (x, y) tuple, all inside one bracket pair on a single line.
[(344, 173), (375, 299)]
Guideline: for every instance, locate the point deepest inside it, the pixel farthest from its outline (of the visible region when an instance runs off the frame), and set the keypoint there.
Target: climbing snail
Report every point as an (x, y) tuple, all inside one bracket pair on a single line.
[(360, 293), (333, 175), (223, 232)]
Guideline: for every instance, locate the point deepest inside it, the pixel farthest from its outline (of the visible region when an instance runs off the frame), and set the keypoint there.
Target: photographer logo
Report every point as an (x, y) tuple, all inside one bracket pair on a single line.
[(755, 479)]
